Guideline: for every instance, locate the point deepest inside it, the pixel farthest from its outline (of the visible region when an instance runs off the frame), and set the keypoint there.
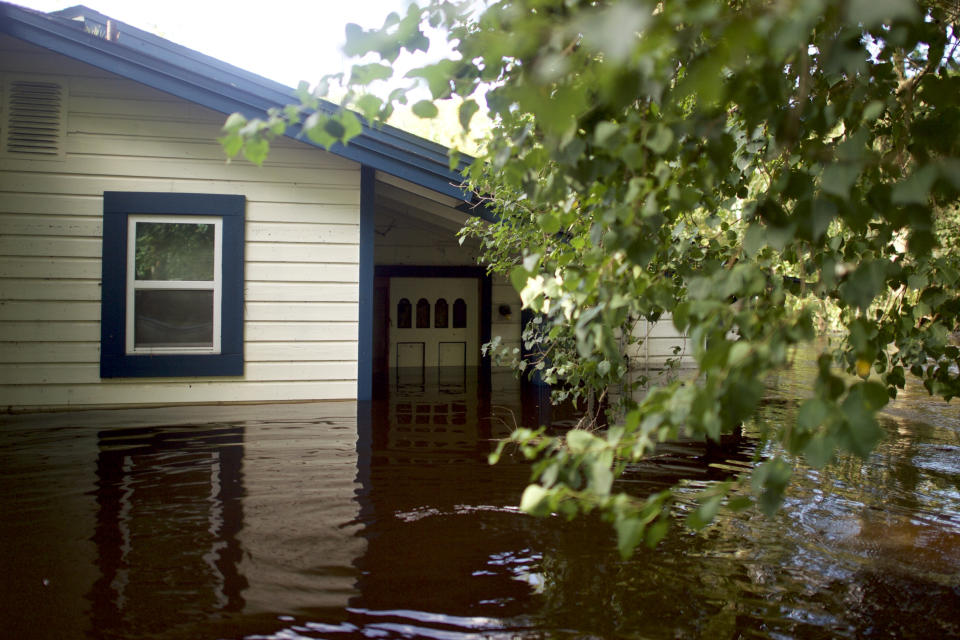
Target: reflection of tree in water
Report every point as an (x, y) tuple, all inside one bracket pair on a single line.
[(174, 251), (828, 565)]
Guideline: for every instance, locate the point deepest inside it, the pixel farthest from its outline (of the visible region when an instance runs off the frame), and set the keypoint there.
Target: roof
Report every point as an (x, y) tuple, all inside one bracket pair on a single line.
[(79, 32)]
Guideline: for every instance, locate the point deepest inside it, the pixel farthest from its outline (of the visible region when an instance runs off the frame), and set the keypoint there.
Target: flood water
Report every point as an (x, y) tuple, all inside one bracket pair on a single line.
[(333, 521)]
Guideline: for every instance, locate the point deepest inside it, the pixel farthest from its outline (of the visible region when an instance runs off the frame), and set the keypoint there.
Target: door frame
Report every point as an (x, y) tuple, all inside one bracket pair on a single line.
[(431, 271)]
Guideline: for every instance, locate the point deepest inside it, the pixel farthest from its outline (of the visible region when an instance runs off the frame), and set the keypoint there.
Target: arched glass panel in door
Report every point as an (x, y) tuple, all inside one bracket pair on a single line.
[(440, 311), (423, 314), (404, 314), (459, 314)]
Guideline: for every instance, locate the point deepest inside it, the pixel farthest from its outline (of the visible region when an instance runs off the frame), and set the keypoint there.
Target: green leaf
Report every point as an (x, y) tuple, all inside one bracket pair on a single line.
[(550, 224), (232, 144), (425, 109), (255, 150), (873, 110), (819, 451), (365, 74), (705, 513), (660, 140), (438, 76), (739, 503), (863, 433), (915, 189), (604, 132), (770, 480), (657, 532), (874, 395), (839, 177), (613, 30), (629, 535), (864, 284), (531, 261), (315, 128), (681, 317), (824, 212), (369, 105), (494, 456), (739, 352), (873, 12), (351, 126), (580, 441), (754, 239), (535, 501), (518, 278), (234, 122), (601, 476), (466, 113), (812, 414), (950, 170)]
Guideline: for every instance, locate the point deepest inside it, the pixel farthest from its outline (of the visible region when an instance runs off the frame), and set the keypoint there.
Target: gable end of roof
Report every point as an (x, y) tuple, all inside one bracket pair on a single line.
[(79, 32)]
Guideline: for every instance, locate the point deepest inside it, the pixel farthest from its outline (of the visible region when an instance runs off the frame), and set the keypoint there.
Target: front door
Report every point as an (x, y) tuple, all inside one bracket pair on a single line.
[(434, 322)]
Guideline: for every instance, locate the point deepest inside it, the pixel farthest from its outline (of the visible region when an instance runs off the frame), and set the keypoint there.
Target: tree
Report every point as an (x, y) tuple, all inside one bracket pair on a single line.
[(745, 166)]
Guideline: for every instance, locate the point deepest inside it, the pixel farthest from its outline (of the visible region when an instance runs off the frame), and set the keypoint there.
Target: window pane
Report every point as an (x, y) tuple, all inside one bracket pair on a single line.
[(174, 251), (173, 318), (440, 314), (423, 314), (404, 312), (459, 314)]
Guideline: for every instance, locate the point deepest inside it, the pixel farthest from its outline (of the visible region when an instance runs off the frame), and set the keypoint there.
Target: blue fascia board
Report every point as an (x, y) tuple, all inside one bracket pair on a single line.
[(214, 84)]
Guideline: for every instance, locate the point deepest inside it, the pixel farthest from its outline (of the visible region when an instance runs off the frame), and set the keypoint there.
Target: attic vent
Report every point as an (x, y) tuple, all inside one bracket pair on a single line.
[(34, 118)]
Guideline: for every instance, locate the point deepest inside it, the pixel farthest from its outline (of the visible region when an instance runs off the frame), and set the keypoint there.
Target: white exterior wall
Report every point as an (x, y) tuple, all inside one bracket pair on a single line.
[(662, 347), (509, 329), (302, 247)]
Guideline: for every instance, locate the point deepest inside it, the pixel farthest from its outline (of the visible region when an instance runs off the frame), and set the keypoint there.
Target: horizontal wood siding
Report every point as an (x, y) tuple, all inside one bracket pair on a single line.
[(662, 347), (302, 234), (509, 329)]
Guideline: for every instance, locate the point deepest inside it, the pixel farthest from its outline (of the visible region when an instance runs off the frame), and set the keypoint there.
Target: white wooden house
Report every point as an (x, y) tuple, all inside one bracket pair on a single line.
[(302, 280)]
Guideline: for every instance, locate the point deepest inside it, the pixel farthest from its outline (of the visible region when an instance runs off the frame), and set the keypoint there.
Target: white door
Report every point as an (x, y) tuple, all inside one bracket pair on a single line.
[(434, 322)]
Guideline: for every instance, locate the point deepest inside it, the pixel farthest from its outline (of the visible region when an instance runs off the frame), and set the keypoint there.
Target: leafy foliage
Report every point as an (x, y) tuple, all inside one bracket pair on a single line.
[(745, 166)]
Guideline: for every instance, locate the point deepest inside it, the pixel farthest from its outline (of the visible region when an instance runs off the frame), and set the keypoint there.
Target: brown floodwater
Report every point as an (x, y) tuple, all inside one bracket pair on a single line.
[(329, 520)]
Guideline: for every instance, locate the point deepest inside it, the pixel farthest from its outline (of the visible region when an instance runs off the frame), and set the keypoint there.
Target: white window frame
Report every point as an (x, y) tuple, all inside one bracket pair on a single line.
[(133, 284)]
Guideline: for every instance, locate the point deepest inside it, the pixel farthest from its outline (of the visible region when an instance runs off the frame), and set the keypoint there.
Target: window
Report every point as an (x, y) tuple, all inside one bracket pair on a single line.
[(459, 314), (403, 314), (423, 314), (172, 301), (174, 280), (440, 314)]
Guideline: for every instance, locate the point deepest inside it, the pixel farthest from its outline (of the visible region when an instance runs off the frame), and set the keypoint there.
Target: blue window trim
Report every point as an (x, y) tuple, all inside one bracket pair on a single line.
[(114, 362)]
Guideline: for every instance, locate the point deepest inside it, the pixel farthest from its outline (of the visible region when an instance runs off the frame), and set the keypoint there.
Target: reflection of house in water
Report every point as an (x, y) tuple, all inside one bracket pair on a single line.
[(215, 530), (444, 411), (437, 518), (169, 511)]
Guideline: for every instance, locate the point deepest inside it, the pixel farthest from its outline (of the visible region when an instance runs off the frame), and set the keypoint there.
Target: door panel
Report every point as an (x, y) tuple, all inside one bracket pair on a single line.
[(452, 354), (410, 354)]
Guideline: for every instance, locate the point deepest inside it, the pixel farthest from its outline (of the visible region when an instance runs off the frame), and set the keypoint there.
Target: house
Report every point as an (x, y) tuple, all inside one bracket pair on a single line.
[(138, 267)]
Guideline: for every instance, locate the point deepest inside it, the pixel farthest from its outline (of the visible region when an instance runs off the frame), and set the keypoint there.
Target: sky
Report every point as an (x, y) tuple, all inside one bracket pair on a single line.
[(284, 40)]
